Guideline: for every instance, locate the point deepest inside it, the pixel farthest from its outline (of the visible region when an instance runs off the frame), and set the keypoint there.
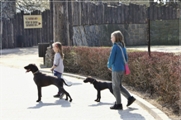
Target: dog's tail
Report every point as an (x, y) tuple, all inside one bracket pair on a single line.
[(65, 82)]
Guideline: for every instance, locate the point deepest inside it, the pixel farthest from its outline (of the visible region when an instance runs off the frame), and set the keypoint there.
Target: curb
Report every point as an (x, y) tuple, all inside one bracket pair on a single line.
[(154, 111)]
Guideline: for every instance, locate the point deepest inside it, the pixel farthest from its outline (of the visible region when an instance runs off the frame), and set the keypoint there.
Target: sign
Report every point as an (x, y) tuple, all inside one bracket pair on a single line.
[(32, 21)]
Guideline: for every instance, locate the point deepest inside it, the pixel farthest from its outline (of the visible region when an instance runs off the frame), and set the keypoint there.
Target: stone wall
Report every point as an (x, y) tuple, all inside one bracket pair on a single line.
[(70, 19), (99, 35), (165, 32)]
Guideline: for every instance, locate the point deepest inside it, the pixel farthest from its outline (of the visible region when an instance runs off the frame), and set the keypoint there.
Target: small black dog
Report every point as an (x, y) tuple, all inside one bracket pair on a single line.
[(42, 80), (99, 86)]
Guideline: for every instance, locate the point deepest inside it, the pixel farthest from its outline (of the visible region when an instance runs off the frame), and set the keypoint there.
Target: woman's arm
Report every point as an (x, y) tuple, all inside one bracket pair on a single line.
[(55, 61), (111, 57)]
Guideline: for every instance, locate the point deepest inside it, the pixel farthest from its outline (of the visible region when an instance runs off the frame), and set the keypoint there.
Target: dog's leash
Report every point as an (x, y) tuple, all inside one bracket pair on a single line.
[(36, 72)]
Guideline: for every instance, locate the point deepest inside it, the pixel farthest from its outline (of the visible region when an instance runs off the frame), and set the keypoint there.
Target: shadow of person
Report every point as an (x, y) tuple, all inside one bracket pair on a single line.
[(100, 104), (129, 115), (62, 103)]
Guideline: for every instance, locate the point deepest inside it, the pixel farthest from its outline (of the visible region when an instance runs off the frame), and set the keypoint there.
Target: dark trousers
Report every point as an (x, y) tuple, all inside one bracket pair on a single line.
[(59, 75)]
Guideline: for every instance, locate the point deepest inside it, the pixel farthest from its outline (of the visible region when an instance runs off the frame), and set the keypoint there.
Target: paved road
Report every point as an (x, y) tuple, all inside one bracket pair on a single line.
[(18, 94)]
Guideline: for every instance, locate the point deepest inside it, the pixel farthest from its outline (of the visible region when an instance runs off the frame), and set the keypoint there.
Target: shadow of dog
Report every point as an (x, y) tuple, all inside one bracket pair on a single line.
[(63, 103)]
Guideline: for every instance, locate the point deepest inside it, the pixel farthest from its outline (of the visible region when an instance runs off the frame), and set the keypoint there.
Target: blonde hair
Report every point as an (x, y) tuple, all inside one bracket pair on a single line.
[(118, 37), (60, 48)]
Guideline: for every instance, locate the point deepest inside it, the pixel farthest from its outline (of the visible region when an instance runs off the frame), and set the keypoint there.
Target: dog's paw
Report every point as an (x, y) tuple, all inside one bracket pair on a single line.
[(70, 100), (97, 100), (38, 100)]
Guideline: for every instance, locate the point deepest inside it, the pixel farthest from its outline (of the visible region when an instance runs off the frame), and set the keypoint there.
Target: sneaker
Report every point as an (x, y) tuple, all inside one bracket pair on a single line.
[(130, 100), (117, 107), (58, 95)]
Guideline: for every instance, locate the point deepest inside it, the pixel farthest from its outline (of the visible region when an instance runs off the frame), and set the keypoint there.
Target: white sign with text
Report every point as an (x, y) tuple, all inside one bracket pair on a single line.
[(32, 21)]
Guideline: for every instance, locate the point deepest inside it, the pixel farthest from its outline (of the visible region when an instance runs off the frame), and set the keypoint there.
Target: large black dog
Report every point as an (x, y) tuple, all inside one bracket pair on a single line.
[(42, 80), (99, 86)]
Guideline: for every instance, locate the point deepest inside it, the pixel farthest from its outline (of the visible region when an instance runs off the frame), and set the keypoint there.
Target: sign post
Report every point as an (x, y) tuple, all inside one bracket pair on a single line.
[(32, 21)]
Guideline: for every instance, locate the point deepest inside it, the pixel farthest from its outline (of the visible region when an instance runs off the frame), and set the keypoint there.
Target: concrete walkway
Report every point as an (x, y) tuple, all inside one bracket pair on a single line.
[(18, 94)]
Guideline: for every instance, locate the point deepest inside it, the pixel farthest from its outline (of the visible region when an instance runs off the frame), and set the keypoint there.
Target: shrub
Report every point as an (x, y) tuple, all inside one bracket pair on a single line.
[(87, 61), (158, 75)]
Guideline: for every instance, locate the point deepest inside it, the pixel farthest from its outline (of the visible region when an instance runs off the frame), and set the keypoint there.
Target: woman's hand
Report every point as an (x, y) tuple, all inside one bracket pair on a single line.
[(52, 69), (110, 69)]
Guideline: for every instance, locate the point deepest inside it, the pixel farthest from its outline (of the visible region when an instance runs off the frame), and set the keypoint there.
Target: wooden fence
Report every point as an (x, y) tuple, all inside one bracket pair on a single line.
[(90, 14), (14, 34), (58, 22)]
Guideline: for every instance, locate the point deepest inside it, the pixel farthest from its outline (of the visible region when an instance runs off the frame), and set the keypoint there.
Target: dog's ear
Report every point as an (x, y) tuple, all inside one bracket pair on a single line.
[(33, 64)]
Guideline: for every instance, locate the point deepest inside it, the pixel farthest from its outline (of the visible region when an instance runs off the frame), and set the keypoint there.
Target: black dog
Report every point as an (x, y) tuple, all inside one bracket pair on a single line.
[(43, 80), (99, 86)]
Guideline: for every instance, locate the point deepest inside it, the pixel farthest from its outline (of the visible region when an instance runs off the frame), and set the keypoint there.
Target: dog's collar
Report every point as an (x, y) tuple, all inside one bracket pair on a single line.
[(93, 81), (36, 72)]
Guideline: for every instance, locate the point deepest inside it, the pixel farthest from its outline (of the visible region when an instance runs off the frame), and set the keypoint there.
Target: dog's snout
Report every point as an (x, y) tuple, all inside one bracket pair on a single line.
[(85, 81)]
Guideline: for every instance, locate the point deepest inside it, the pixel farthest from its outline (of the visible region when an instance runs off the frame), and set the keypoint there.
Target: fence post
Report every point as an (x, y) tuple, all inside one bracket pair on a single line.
[(179, 20), (149, 44), (1, 34)]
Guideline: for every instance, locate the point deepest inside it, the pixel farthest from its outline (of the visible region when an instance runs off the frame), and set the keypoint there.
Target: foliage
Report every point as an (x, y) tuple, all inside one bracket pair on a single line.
[(7, 8), (86, 60), (158, 75), (29, 6)]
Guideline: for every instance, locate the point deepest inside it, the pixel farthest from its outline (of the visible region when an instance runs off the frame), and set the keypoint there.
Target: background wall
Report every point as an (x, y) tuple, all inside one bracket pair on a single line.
[(165, 32), (99, 35), (91, 23)]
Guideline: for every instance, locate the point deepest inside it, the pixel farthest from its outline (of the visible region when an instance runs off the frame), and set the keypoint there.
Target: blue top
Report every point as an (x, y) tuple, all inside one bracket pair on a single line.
[(116, 60)]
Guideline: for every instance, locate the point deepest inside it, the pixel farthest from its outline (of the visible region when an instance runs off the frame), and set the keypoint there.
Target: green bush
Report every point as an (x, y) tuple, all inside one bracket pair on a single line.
[(158, 75)]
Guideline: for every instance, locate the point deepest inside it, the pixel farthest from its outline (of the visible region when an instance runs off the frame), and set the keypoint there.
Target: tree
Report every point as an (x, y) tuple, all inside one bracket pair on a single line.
[(29, 6), (7, 8), (167, 1)]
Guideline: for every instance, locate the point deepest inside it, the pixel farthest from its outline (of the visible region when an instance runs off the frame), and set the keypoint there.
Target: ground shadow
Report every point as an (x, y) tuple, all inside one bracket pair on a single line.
[(100, 104), (124, 114), (62, 103)]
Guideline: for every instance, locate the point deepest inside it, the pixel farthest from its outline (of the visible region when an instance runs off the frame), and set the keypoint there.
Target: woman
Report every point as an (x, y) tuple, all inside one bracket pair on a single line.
[(116, 65)]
